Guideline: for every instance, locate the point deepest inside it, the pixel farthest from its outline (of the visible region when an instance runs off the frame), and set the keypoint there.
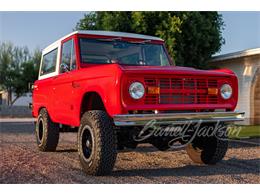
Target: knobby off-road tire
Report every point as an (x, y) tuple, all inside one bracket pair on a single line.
[(161, 144), (208, 150), (47, 132), (97, 146)]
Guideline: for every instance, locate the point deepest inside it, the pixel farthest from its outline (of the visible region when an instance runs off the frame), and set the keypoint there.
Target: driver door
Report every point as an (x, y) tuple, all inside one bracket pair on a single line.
[(63, 89)]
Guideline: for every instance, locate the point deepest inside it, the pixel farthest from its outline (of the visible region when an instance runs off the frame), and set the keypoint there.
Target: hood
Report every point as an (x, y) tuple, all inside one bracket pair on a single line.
[(176, 70)]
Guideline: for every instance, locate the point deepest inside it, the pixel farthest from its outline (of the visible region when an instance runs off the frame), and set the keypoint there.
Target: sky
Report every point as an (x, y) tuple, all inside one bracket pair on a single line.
[(39, 29)]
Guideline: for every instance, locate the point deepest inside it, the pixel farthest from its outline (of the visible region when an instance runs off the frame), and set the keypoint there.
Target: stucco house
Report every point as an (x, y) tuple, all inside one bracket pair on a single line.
[(246, 65)]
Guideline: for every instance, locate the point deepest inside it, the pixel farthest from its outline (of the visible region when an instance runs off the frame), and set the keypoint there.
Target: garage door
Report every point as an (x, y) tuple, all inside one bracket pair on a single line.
[(257, 100)]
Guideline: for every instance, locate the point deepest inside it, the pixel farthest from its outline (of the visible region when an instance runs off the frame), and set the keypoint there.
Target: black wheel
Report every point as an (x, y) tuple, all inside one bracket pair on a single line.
[(208, 150), (161, 145), (97, 146), (47, 132)]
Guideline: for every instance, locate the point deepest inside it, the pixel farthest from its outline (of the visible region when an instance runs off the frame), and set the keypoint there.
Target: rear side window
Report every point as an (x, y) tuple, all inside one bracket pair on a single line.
[(49, 62), (68, 55)]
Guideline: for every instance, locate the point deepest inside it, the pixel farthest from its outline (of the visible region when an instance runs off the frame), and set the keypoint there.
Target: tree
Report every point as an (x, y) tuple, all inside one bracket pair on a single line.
[(30, 68), (191, 37), (17, 68)]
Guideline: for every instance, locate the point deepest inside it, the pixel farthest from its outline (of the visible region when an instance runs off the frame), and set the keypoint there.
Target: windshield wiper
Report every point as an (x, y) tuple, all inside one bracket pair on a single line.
[(111, 39), (140, 42), (119, 39)]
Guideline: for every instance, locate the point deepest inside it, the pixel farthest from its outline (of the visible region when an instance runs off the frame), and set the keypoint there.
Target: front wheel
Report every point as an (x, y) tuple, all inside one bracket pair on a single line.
[(97, 143)]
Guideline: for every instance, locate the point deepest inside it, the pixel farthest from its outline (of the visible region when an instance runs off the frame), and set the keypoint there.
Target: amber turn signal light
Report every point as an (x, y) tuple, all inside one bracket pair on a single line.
[(153, 90), (212, 91)]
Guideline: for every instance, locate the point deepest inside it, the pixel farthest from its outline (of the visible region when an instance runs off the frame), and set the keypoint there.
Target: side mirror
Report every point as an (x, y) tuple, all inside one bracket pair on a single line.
[(64, 68)]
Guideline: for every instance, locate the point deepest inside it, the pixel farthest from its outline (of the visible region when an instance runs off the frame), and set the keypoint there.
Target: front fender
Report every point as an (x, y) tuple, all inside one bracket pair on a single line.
[(109, 94)]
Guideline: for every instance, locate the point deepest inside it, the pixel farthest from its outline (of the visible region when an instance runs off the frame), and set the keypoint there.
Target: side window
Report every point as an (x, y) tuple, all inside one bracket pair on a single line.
[(49, 62), (68, 59)]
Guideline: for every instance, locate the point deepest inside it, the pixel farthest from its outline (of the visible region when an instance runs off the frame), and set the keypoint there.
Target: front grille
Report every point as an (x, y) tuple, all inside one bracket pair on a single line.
[(181, 90)]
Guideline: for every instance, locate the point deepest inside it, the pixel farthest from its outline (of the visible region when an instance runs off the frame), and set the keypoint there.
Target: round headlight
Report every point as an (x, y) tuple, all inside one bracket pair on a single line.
[(136, 90), (226, 91)]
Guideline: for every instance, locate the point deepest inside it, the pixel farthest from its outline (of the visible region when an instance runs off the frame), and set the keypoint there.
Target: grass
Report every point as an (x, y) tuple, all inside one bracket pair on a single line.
[(243, 131)]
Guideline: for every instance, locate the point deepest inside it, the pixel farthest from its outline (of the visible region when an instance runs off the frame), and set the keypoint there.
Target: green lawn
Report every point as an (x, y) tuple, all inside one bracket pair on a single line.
[(244, 131)]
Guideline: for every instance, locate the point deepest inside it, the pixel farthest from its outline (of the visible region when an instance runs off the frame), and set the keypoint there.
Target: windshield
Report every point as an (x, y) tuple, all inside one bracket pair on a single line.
[(107, 51)]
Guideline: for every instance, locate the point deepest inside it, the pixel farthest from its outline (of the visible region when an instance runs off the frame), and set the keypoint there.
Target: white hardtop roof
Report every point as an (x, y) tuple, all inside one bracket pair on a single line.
[(239, 54), (106, 33)]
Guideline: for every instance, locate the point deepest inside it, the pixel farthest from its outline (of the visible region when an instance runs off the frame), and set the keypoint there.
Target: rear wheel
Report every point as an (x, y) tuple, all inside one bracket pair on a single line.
[(97, 143), (47, 132), (161, 144), (207, 150)]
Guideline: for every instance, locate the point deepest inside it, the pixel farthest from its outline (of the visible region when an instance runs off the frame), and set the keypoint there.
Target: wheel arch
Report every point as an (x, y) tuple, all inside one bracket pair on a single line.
[(39, 109), (91, 100)]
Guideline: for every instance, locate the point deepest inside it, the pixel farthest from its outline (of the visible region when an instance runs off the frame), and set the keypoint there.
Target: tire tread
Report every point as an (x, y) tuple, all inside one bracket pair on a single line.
[(105, 140)]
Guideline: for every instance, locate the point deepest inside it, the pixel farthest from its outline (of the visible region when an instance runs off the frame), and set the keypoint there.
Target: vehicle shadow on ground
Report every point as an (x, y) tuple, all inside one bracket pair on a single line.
[(149, 148), (66, 150), (247, 143), (250, 166)]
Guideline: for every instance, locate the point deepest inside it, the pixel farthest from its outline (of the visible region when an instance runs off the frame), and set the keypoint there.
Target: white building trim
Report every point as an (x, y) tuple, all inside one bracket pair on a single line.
[(239, 54)]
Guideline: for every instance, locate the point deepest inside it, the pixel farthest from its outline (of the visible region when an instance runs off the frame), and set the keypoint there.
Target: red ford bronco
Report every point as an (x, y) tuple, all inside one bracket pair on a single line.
[(120, 89)]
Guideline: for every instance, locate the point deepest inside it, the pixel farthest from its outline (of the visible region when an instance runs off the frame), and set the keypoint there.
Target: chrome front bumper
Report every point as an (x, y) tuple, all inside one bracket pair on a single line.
[(177, 118)]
